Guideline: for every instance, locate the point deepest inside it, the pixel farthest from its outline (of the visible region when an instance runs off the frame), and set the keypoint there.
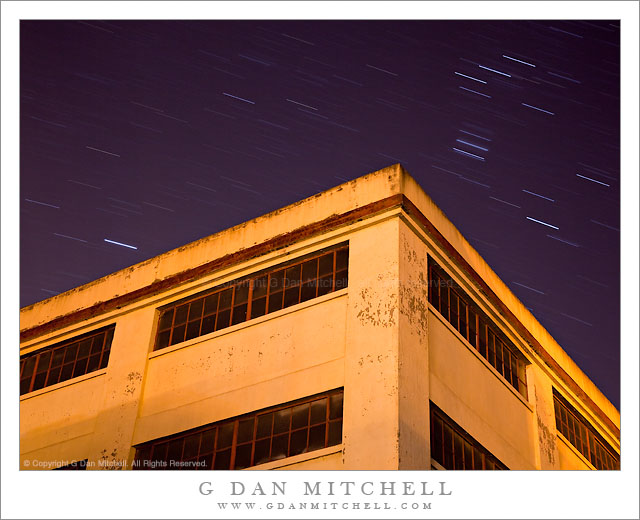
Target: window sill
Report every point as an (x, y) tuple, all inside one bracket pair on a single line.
[(303, 457), (63, 384), (486, 363), (436, 466), (249, 323)]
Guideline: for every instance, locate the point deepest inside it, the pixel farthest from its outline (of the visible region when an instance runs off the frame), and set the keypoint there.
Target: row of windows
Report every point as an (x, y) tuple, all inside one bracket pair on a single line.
[(476, 327), (577, 430), (453, 448), (62, 361), (272, 434), (279, 287)]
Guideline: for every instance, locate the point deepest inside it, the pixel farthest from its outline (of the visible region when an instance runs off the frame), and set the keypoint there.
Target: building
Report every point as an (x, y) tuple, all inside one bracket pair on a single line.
[(355, 329)]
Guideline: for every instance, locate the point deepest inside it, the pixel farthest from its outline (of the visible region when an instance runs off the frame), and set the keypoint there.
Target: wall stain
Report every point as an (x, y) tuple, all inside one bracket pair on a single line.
[(377, 309), (133, 378), (547, 438)]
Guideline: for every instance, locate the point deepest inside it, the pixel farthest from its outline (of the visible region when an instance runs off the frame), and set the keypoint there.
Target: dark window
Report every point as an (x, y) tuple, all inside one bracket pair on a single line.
[(579, 432), (235, 302), (76, 465), (476, 327), (453, 448), (66, 360), (271, 434)]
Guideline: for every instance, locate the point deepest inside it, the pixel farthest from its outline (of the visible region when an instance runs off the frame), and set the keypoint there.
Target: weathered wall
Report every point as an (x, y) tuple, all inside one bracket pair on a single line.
[(278, 358)]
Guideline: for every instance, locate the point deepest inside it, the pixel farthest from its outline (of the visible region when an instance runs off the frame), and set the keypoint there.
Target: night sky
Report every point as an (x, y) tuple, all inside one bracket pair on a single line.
[(139, 137)]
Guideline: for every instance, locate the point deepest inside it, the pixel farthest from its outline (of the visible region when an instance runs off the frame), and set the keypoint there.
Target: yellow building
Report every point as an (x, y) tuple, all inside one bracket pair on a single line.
[(355, 329)]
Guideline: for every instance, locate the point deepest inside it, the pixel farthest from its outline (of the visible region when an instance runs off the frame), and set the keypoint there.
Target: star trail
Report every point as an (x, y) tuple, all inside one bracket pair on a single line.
[(137, 137)]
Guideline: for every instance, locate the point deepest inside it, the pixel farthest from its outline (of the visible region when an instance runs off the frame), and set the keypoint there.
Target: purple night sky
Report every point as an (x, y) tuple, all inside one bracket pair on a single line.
[(138, 137)]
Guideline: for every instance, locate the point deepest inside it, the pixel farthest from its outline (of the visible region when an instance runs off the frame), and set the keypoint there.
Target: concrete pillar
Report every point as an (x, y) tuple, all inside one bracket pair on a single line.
[(413, 356), (371, 426), (544, 421), (132, 341)]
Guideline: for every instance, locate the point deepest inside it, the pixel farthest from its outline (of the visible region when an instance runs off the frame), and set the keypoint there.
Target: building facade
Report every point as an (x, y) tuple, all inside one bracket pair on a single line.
[(356, 329)]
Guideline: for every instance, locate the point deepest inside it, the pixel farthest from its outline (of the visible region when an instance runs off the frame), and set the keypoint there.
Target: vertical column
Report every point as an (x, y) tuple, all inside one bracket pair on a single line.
[(116, 420), (544, 421), (413, 356), (370, 431)]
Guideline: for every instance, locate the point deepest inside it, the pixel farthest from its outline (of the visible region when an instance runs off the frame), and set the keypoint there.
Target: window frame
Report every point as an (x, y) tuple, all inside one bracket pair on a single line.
[(573, 426), (47, 355), (468, 444), (279, 287), (144, 456)]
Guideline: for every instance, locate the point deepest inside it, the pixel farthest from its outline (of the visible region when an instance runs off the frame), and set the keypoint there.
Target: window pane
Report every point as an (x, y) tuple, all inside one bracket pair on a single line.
[(291, 296), (279, 446), (261, 454), (84, 347), (298, 442), (282, 421), (316, 437), (300, 416), (260, 286), (308, 291), (258, 307), (29, 365), (325, 284), (264, 425), (208, 324), (335, 408), (242, 292), (292, 276), (225, 299), (163, 339), (178, 334), (319, 411), (54, 376), (98, 342), (58, 356), (193, 330), (70, 353), (165, 319), (175, 450), (275, 301), (191, 446), (276, 281), (94, 363), (309, 270), (341, 280), (245, 430), (67, 372), (195, 309), (335, 433), (208, 440), (225, 435), (243, 456), (223, 319), (239, 314), (181, 314), (81, 367), (342, 259), (448, 447), (210, 304), (222, 460), (326, 264)]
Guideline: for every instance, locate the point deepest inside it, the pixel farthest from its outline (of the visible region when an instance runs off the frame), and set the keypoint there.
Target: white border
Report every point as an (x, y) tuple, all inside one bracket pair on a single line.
[(152, 494)]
